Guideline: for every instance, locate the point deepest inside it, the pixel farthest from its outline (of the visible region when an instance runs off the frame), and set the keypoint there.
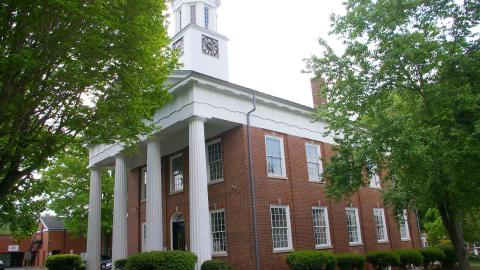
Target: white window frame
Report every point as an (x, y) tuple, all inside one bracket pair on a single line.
[(404, 222), (219, 253), (380, 211), (319, 160), (144, 236), (282, 152), (193, 14), (172, 180), (357, 226), (219, 140), (143, 183), (327, 227), (289, 228), (375, 178)]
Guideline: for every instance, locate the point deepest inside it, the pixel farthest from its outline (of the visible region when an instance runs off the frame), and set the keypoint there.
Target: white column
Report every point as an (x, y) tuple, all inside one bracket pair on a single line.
[(94, 220), (119, 233), (200, 242), (154, 206)]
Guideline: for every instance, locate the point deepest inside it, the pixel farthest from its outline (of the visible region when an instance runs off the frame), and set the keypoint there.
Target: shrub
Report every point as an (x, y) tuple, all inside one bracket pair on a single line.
[(121, 264), (450, 259), (311, 260), (64, 262), (350, 261), (431, 255), (216, 265), (409, 257), (82, 267), (162, 260), (382, 259)]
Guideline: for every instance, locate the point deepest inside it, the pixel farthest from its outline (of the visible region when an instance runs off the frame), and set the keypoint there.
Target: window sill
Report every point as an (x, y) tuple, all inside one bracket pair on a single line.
[(406, 240), (278, 177), (355, 244), (314, 181), (175, 192), (377, 188), (383, 242), (324, 247), (222, 254), (143, 200), (215, 181), (286, 250)]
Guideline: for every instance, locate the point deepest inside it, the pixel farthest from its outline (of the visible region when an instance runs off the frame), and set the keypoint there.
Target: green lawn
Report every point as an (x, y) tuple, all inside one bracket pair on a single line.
[(475, 262)]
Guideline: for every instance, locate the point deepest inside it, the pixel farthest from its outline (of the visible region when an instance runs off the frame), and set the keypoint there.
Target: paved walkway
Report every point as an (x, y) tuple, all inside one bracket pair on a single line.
[(24, 268)]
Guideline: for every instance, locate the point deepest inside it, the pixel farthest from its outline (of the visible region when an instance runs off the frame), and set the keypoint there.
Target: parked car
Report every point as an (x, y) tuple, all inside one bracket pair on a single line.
[(2, 266)]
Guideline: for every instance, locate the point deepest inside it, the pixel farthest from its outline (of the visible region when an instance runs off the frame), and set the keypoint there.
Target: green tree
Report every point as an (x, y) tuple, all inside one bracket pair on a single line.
[(404, 98), (77, 67), (67, 180)]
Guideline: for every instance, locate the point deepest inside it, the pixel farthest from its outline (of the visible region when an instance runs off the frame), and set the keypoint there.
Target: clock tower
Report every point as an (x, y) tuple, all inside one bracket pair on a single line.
[(201, 47)]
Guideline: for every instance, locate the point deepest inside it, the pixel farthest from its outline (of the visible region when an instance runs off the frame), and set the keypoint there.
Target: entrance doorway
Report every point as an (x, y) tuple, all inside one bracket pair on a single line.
[(178, 232)]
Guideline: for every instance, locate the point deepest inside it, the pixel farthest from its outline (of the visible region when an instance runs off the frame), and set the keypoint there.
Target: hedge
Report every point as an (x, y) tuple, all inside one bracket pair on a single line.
[(350, 261), (162, 260), (216, 265), (450, 259), (64, 262), (311, 260), (121, 264), (382, 259), (431, 255), (409, 257)]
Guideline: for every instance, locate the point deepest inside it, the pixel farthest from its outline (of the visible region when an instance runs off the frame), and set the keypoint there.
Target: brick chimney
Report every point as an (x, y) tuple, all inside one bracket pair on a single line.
[(318, 97)]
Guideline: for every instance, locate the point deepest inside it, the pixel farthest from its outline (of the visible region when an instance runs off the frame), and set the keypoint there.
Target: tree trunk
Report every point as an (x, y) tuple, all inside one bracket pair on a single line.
[(453, 224)]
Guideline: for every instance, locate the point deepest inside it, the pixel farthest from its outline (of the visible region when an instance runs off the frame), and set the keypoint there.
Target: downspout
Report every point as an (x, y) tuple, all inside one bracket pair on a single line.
[(252, 182)]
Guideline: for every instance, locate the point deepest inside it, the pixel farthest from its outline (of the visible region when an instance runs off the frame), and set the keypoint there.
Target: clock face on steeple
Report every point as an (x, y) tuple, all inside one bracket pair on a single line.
[(209, 46)]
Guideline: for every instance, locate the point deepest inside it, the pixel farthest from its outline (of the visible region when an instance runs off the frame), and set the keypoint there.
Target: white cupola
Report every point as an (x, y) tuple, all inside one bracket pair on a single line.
[(201, 47)]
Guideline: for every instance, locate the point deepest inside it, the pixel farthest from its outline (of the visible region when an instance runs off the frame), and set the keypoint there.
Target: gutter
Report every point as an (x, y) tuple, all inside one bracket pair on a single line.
[(252, 182)]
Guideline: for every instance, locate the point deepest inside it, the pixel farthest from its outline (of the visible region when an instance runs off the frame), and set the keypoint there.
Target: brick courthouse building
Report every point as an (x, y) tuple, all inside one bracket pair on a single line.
[(189, 187)]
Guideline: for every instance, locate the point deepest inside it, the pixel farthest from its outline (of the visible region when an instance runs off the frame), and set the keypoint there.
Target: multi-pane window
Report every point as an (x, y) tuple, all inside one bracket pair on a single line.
[(275, 156), (314, 164), (321, 230), (215, 164), (143, 184), (193, 14), (176, 173), (353, 226), (206, 12), (144, 236), (380, 224), (219, 238), (404, 231), (281, 232)]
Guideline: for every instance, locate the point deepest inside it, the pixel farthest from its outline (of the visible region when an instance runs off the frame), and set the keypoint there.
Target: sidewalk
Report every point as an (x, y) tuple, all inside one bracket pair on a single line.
[(24, 268)]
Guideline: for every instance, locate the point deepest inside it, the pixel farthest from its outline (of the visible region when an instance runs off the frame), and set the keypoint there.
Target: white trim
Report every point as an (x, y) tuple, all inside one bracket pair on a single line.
[(320, 165), (222, 253), (282, 152), (327, 223), (172, 180), (382, 212), (219, 140), (143, 182), (358, 227), (289, 228)]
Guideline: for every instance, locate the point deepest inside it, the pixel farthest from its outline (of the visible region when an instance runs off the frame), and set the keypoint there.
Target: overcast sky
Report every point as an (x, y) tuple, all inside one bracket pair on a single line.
[(269, 40)]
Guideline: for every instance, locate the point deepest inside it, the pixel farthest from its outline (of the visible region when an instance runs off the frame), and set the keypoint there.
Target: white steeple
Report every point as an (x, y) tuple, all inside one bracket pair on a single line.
[(201, 47)]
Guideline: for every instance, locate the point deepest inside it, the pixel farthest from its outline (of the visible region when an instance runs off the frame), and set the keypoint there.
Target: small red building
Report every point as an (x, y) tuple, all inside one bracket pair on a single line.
[(51, 238)]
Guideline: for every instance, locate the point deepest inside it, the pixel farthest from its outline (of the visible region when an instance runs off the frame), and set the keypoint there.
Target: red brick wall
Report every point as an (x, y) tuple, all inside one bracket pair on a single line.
[(233, 194)]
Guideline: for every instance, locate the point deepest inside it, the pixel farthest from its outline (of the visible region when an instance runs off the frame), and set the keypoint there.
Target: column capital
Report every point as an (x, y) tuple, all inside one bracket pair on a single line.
[(198, 118), (94, 167), (155, 138)]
